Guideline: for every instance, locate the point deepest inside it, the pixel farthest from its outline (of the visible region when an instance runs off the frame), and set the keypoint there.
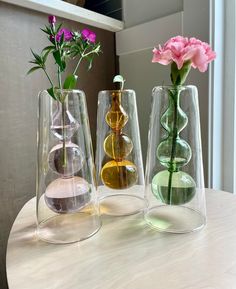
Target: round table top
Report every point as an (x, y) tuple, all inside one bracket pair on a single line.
[(126, 253)]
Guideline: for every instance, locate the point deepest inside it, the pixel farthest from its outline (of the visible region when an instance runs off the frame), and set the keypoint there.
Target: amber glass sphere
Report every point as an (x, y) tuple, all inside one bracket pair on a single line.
[(118, 146), (119, 174), (116, 118)]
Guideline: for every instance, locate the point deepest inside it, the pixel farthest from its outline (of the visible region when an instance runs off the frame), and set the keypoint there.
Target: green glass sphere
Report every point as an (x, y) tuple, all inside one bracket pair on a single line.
[(182, 156), (182, 189)]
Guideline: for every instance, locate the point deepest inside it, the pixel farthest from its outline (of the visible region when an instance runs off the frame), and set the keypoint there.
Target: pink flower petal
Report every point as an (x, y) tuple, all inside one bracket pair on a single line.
[(181, 49)]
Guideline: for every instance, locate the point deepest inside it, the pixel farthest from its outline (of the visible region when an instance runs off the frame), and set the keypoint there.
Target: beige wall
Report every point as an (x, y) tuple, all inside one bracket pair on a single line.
[(196, 23), (142, 75), (139, 11), (19, 31)]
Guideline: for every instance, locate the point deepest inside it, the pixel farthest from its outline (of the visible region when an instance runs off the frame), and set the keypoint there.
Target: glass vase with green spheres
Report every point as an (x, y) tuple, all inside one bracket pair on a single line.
[(174, 171)]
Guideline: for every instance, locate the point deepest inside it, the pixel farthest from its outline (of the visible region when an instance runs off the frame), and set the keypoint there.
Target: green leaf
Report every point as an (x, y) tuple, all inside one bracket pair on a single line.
[(46, 30), (178, 76), (63, 65), (59, 61), (90, 61), (34, 62), (33, 69), (57, 57), (50, 47), (120, 79), (97, 48), (45, 55), (76, 34), (51, 92), (70, 81), (58, 28), (36, 56), (62, 39)]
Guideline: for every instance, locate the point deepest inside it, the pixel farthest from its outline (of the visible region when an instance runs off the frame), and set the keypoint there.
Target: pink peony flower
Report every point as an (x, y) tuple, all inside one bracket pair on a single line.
[(181, 49), (67, 34), (88, 35)]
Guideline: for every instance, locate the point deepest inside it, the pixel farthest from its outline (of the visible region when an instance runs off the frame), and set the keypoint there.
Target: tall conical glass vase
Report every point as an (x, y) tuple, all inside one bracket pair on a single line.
[(174, 181), (67, 205), (119, 162)]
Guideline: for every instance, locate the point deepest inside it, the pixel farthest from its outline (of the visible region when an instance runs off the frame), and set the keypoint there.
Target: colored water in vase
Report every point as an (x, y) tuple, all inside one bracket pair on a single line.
[(182, 187), (118, 146), (67, 195), (119, 173)]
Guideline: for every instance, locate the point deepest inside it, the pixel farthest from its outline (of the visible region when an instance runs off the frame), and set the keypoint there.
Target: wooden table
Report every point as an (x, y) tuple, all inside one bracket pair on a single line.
[(126, 254)]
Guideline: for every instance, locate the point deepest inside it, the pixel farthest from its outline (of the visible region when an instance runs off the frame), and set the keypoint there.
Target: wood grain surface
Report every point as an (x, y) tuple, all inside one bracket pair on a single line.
[(126, 253)]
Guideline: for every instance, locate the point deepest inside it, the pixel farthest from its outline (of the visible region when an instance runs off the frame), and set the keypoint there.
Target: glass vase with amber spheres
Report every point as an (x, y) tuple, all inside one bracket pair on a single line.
[(119, 162), (67, 205)]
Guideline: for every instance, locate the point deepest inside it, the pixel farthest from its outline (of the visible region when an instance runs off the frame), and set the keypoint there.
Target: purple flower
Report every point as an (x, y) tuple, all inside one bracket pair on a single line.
[(52, 19), (67, 34), (88, 35)]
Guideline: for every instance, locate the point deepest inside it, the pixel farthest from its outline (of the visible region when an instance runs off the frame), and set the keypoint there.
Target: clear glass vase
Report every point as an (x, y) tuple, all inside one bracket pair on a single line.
[(67, 205), (174, 180), (119, 162)]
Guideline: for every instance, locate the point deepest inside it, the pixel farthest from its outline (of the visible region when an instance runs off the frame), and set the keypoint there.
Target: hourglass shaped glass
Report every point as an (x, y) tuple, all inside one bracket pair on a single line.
[(174, 190), (173, 153), (118, 155), (67, 209)]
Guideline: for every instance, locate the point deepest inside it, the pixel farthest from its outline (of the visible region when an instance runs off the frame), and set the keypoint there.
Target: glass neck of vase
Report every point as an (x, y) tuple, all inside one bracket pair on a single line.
[(116, 99)]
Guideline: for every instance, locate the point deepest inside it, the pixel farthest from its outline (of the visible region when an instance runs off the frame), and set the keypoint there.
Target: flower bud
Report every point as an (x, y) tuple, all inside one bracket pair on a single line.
[(52, 19)]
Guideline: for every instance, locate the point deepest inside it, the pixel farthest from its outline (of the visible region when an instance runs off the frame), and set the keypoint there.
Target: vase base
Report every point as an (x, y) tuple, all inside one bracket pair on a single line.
[(68, 228), (174, 219), (121, 205)]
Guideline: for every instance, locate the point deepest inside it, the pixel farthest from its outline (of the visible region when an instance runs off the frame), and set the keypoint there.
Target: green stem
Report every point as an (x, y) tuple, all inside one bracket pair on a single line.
[(59, 77), (77, 66), (58, 68), (90, 52), (64, 133), (82, 56), (173, 146), (62, 100)]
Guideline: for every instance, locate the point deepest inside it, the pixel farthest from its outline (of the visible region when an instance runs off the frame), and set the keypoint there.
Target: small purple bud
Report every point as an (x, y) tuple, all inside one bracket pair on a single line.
[(51, 38), (52, 19)]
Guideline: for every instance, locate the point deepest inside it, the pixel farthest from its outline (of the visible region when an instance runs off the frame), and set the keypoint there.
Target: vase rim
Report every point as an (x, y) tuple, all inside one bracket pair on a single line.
[(181, 88), (116, 90), (172, 86), (64, 90), (69, 90)]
